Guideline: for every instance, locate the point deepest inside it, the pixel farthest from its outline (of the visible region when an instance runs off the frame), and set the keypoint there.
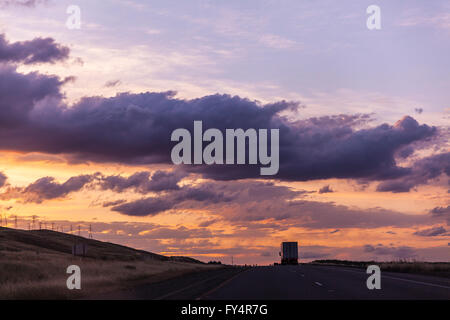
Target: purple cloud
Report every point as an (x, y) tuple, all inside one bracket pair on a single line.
[(3, 179), (431, 232), (38, 50), (46, 189), (402, 252), (421, 173), (142, 182), (325, 189)]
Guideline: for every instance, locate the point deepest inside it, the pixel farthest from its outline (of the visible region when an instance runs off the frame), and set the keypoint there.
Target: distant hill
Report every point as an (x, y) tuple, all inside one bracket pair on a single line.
[(57, 242)]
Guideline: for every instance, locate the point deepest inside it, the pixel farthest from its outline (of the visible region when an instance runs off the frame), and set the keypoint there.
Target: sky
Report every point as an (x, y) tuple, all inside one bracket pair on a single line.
[(86, 116)]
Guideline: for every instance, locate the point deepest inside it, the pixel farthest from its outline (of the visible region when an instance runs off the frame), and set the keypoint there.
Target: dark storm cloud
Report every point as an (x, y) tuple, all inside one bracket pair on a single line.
[(38, 50), (3, 179), (330, 148), (431, 232), (422, 172), (325, 189), (136, 128), (19, 95)]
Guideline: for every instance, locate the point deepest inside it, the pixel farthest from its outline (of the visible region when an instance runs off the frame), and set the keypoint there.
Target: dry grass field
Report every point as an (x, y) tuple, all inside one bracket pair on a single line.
[(33, 265)]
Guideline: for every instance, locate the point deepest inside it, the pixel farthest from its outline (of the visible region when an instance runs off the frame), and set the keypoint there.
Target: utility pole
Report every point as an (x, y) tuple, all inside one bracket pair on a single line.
[(53, 224), (34, 220), (90, 231), (15, 222), (40, 225), (79, 230)]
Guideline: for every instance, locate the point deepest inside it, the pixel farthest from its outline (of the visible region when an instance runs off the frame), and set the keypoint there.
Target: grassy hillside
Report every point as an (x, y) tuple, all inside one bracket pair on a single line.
[(33, 265)]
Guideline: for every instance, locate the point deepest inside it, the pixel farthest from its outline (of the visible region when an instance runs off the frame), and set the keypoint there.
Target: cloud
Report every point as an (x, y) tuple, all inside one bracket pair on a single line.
[(112, 83), (21, 93), (46, 189), (23, 3), (177, 233), (154, 205), (249, 202), (402, 252), (441, 212), (38, 50), (136, 128), (313, 255), (431, 232), (421, 173), (325, 189), (3, 179), (142, 182)]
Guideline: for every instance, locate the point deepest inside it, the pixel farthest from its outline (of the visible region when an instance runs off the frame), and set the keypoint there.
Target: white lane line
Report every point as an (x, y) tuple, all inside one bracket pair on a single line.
[(418, 282), (400, 279), (318, 283)]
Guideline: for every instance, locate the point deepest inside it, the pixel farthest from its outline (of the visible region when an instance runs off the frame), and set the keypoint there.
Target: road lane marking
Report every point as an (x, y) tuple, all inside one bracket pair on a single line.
[(394, 278), (221, 284), (187, 287), (418, 282), (319, 284)]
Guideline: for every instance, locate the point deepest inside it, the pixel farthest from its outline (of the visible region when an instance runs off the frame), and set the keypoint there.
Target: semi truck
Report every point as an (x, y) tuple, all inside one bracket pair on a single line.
[(289, 253)]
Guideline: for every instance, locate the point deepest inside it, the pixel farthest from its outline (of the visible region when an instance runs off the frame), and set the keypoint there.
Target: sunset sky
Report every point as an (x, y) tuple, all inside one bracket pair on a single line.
[(86, 117)]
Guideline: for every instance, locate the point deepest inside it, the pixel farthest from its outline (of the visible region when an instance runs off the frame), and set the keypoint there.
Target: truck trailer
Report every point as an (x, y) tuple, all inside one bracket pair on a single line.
[(289, 253)]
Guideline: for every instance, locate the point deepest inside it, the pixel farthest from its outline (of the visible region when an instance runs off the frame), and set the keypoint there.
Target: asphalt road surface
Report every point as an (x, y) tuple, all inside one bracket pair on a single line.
[(303, 282)]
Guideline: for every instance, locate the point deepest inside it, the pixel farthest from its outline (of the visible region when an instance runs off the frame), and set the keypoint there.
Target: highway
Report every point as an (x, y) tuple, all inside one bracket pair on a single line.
[(303, 282), (306, 282)]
